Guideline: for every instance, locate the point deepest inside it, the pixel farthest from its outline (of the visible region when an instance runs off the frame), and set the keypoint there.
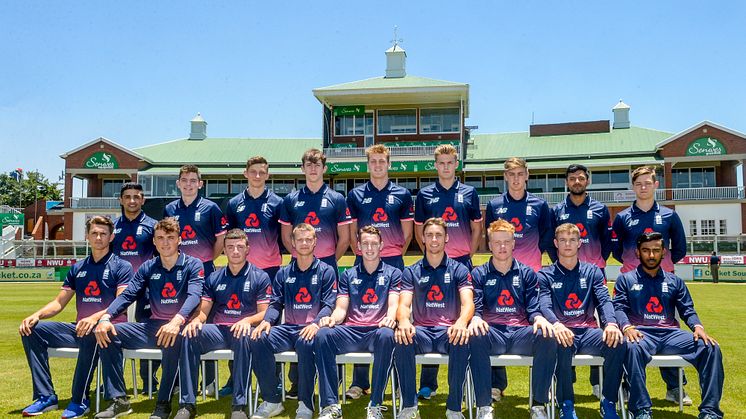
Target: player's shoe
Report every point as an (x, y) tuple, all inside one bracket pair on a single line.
[(539, 412), (596, 391), (333, 411), (608, 410), (292, 394), (426, 393), (162, 410), (303, 412), (375, 412), (239, 412), (485, 412), (643, 414), (118, 407), (567, 410), (497, 395), (76, 410), (452, 414), (409, 413), (267, 410), (355, 392), (186, 411), (41, 405), (673, 397), (226, 390)]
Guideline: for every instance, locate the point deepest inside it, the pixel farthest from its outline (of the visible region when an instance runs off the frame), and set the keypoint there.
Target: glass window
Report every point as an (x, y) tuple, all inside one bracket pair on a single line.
[(680, 178), (537, 183), (424, 181), (619, 176), (216, 187), (406, 182), (600, 177), (723, 227), (493, 182), (147, 184), (439, 120), (692, 227), (556, 182), (283, 187), (695, 177), (403, 121), (475, 181), (604, 177), (341, 186), (707, 227), (238, 185), (349, 125), (165, 186), (111, 187)]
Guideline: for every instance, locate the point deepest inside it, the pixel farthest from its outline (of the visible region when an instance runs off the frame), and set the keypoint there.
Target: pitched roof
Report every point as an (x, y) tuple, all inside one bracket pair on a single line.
[(406, 82)]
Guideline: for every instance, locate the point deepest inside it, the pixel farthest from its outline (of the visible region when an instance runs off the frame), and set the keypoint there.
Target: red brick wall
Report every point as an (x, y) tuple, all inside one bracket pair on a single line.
[(125, 160), (569, 128), (733, 144)]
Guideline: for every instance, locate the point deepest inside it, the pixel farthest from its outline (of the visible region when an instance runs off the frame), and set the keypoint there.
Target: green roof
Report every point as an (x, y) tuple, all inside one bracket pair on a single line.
[(628, 141), (555, 164), (223, 151), (406, 82)]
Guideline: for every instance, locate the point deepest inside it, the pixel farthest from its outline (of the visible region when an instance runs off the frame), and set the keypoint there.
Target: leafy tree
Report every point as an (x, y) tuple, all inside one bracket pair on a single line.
[(32, 185)]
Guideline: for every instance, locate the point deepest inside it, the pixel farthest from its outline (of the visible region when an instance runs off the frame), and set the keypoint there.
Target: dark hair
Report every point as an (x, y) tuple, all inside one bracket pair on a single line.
[(130, 185), (575, 168), (648, 237)]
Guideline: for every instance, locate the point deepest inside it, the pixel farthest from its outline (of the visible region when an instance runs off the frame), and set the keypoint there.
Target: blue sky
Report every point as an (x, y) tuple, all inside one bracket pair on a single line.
[(137, 72)]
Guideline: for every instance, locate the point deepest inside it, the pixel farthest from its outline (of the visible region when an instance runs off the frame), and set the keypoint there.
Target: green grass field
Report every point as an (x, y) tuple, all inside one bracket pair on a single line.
[(719, 306)]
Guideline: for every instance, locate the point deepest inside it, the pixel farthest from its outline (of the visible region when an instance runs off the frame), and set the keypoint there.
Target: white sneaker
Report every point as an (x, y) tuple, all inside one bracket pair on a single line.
[(267, 410), (485, 412), (539, 412), (210, 390), (451, 414), (375, 412), (673, 397), (303, 412), (596, 391), (333, 411), (355, 392), (497, 395), (409, 413)]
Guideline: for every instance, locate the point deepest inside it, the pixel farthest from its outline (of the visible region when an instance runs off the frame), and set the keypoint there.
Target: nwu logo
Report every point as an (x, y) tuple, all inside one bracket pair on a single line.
[(367, 200), (221, 287)]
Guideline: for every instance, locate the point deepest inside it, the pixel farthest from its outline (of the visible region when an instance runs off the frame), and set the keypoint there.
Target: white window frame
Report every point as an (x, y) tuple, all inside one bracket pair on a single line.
[(378, 122), (420, 125)]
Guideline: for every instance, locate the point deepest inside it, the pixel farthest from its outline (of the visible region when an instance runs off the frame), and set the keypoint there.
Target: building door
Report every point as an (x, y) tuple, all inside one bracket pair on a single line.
[(368, 129)]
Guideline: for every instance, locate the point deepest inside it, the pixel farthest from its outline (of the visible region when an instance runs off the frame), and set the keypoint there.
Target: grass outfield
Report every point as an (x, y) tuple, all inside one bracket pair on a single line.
[(718, 306)]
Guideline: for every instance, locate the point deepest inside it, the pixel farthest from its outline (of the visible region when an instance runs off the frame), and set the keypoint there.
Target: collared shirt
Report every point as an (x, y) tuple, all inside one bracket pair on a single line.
[(306, 296), (572, 296), (631, 222), (133, 240), (368, 293), (201, 223), (384, 209), (458, 206), (533, 225), (642, 300), (96, 283), (170, 291), (436, 291), (259, 219), (235, 297), (324, 210), (510, 299), (593, 221)]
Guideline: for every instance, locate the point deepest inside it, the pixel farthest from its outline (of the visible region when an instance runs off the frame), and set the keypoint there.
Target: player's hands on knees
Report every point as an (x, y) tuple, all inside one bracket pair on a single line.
[(309, 331), (458, 334), (263, 327), (387, 322), (327, 321), (27, 324), (191, 329), (632, 334), (84, 326), (541, 323), (699, 333), (563, 335), (102, 333), (241, 328), (478, 327), (404, 333), (167, 333), (612, 336)]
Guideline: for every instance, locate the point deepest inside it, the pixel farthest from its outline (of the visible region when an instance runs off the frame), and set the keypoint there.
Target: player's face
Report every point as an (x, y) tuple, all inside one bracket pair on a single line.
[(516, 179), (435, 239), (644, 187), (257, 175), (99, 237), (132, 200), (189, 185), (651, 254), (501, 245), (567, 244), (378, 166), (314, 171), (304, 242), (167, 244), (236, 251), (370, 246), (577, 182), (446, 164)]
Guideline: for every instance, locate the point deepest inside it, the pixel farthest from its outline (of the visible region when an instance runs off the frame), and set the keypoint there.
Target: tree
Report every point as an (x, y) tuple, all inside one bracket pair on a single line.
[(32, 185)]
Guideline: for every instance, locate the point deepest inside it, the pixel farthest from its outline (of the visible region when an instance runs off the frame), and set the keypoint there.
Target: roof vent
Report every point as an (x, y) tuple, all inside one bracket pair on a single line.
[(199, 128), (621, 115), (396, 59)]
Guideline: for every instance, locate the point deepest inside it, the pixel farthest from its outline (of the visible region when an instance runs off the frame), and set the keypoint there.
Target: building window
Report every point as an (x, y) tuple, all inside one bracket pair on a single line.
[(707, 227), (349, 125), (165, 186), (283, 186), (723, 227), (493, 182), (424, 181), (695, 177), (216, 187), (606, 177), (537, 183), (111, 187), (402, 121), (556, 183), (692, 227), (475, 181), (147, 184), (407, 182), (439, 120)]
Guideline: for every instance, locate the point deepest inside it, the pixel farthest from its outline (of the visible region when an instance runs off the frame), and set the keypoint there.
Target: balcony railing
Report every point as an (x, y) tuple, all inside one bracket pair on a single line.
[(608, 197), (94, 203), (695, 194), (678, 194), (395, 151), (43, 249)]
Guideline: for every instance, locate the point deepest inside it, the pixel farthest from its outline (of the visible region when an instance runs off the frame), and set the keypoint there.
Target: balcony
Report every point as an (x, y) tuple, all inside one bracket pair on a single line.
[(94, 203), (359, 152)]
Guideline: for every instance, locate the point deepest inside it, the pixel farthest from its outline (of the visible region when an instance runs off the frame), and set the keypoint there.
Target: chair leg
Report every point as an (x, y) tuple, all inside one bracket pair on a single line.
[(204, 382), (621, 403), (530, 388), (217, 380), (344, 383), (468, 393), (393, 391), (98, 385), (681, 389), (282, 380), (552, 397), (134, 378), (150, 379)]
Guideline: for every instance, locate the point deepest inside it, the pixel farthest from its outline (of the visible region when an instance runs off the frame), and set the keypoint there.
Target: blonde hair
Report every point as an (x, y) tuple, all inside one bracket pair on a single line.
[(567, 228), (168, 225), (515, 162), (435, 221), (500, 225), (447, 149), (377, 149), (304, 227)]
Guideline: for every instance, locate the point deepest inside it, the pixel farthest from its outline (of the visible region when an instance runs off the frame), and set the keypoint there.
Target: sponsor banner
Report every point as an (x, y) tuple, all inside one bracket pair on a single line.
[(356, 110), (11, 219), (39, 263), (25, 262), (726, 273), (705, 260), (27, 274), (706, 146), (396, 167), (101, 160)]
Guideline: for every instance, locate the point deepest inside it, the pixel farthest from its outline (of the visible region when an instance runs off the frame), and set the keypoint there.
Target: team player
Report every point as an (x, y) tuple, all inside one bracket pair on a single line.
[(646, 302), (437, 296), (458, 205), (594, 224), (571, 292), (305, 290), (237, 297), (174, 284), (365, 318), (507, 304), (532, 220), (319, 206), (94, 282), (133, 242), (388, 207), (643, 216)]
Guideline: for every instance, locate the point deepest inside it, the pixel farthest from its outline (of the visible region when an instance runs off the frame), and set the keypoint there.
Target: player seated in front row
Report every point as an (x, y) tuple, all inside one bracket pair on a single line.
[(646, 301)]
